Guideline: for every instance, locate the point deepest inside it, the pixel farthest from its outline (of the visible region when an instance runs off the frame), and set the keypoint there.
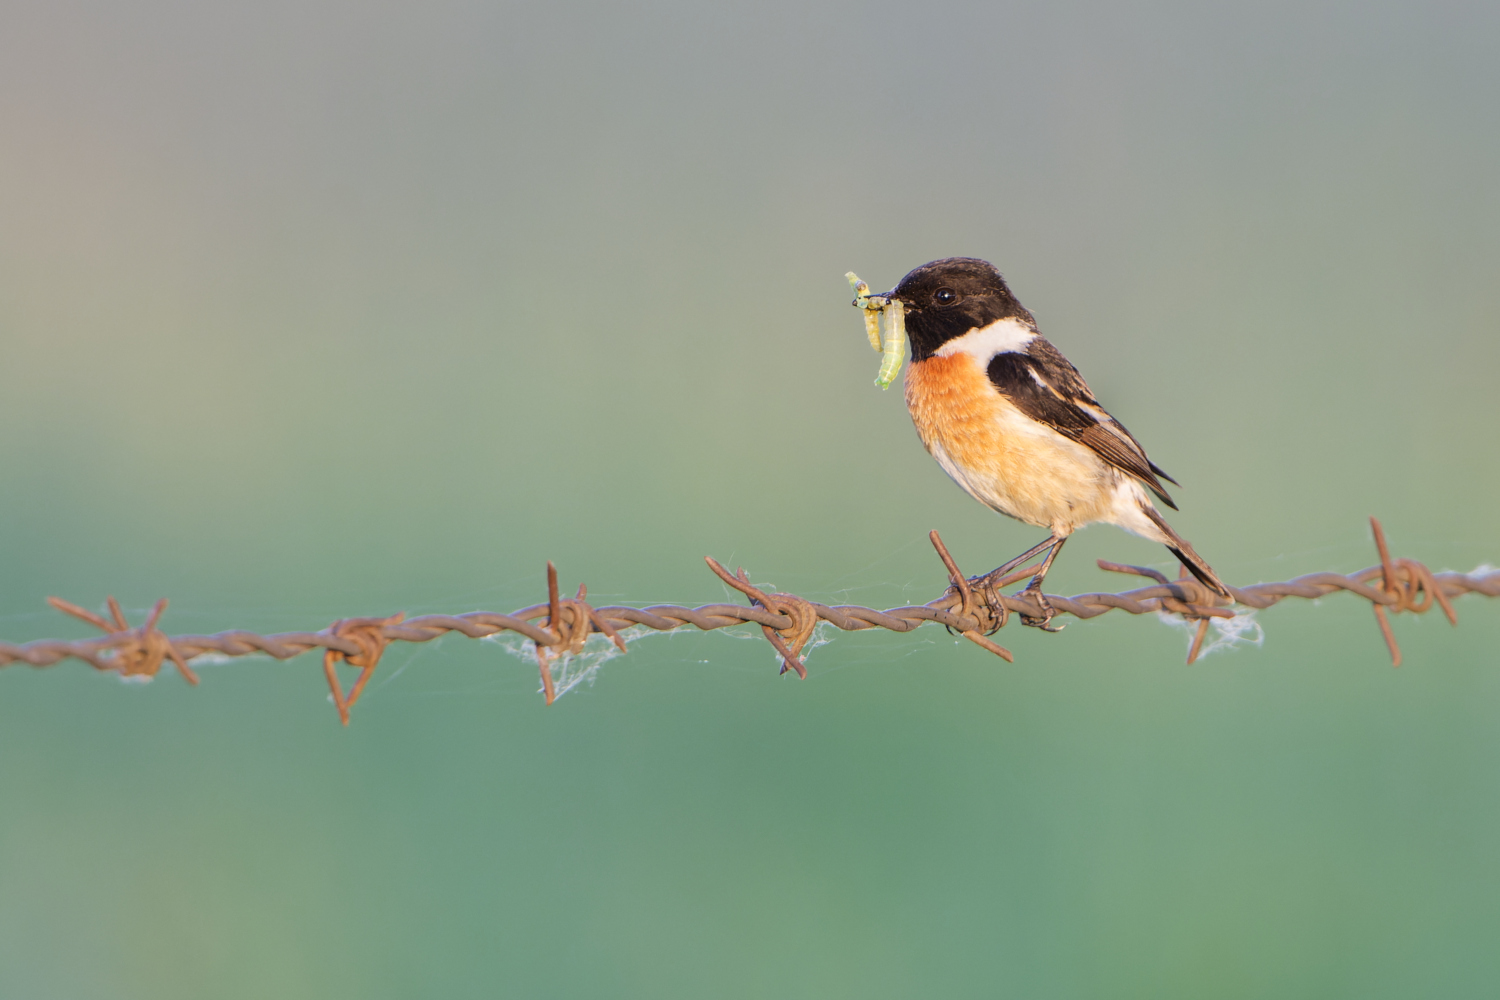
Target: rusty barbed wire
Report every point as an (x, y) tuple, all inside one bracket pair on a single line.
[(971, 607)]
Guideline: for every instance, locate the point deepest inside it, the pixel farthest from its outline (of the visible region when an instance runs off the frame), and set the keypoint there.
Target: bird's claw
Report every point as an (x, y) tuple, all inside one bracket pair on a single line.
[(1048, 611), (984, 587)]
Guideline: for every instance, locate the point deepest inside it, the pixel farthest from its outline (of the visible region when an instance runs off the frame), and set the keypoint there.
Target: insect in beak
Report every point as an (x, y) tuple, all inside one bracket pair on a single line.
[(874, 307)]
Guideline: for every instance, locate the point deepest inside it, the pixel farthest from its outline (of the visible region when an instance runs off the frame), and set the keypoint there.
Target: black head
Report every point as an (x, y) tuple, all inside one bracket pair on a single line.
[(950, 297)]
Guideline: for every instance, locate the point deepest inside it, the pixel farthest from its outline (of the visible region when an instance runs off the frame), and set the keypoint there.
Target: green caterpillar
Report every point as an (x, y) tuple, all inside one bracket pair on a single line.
[(874, 306)]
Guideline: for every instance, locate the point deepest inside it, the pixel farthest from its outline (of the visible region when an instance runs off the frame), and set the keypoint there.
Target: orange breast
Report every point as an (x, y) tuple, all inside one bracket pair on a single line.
[(999, 455)]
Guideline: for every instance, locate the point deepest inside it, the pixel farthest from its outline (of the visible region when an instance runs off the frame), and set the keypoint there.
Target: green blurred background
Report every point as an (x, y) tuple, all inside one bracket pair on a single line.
[(324, 309)]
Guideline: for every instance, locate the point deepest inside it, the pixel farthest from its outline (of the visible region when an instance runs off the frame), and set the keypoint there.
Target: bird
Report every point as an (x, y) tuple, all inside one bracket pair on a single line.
[(1015, 425)]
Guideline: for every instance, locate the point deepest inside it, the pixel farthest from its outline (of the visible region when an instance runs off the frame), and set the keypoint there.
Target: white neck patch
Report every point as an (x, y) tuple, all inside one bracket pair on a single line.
[(985, 342)]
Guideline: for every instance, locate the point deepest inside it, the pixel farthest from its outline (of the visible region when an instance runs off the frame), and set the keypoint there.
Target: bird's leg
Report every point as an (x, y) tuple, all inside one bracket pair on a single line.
[(987, 584), (1000, 572), (1034, 591)]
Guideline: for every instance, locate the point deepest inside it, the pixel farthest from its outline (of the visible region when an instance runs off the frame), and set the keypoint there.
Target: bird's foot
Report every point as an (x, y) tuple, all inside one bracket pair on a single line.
[(1048, 611), (984, 586)]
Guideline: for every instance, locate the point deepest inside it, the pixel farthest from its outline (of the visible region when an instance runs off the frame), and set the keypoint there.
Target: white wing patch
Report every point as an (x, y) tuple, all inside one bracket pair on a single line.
[(1079, 404), (985, 342)]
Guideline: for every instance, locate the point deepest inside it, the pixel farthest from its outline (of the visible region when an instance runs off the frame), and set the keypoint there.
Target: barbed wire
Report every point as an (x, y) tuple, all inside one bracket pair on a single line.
[(972, 608)]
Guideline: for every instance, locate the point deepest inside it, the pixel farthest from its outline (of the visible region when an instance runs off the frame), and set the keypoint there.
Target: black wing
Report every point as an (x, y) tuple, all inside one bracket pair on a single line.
[(1046, 387)]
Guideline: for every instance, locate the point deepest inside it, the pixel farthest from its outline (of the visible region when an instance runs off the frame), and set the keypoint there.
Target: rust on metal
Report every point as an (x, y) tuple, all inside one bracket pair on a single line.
[(1182, 604), (802, 614), (972, 607), (1401, 581), (369, 638), (570, 620), (989, 623), (129, 652)]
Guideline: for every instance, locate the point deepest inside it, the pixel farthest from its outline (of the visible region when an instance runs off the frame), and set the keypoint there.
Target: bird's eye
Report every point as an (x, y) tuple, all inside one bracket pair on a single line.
[(945, 296)]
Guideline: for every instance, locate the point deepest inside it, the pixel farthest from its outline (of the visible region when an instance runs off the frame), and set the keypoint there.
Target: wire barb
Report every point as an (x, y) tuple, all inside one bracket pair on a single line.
[(369, 638), (129, 652), (787, 641), (569, 623), (1182, 602), (966, 603), (1401, 581)]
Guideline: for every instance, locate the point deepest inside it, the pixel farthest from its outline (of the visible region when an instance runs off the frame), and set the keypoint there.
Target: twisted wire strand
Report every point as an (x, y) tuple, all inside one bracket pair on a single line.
[(1392, 585)]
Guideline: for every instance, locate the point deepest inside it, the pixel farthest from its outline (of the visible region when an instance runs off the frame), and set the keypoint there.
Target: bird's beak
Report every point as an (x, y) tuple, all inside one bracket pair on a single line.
[(862, 297)]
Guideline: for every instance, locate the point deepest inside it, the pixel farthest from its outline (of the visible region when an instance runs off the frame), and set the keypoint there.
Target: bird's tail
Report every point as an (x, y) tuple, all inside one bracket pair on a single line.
[(1180, 548)]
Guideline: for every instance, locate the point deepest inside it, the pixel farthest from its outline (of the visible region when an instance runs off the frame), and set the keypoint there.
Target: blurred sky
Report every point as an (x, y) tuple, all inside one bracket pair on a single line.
[(323, 309)]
